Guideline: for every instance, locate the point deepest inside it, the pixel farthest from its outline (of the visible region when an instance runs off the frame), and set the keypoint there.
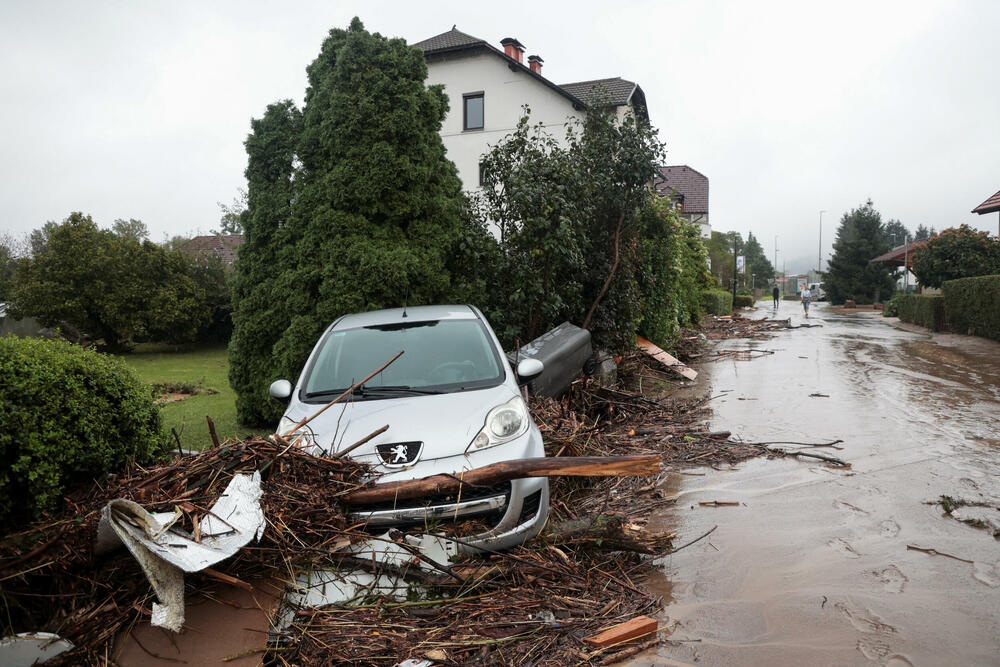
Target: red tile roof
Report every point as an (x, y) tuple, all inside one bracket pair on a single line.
[(896, 256), (991, 205), (215, 245), (685, 184)]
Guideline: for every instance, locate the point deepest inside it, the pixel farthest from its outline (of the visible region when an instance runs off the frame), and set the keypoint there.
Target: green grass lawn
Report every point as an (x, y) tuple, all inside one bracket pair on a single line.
[(206, 367)]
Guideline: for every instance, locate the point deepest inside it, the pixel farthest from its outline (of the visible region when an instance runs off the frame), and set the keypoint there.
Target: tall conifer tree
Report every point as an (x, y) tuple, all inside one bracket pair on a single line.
[(364, 218), (851, 274)]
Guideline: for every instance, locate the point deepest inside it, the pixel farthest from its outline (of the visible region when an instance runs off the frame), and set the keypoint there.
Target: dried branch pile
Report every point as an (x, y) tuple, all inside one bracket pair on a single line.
[(533, 605), (51, 579)]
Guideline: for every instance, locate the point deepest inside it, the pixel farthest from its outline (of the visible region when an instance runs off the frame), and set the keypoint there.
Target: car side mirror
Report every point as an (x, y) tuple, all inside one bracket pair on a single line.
[(528, 370), (281, 390)]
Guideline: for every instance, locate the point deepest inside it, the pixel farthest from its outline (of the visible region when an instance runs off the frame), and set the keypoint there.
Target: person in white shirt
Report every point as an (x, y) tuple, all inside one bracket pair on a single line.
[(806, 298)]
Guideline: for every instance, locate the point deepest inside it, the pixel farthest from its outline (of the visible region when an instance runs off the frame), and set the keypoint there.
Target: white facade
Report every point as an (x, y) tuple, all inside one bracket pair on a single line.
[(505, 91)]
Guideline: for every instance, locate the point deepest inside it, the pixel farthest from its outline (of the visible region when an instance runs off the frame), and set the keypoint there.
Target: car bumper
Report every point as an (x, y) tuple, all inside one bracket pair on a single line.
[(516, 510)]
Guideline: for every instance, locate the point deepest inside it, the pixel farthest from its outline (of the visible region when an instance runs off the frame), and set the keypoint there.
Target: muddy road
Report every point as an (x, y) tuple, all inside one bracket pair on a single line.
[(813, 567)]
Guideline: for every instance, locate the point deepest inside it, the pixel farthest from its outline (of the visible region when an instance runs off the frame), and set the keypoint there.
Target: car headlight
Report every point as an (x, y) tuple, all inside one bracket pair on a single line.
[(503, 423), (305, 435)]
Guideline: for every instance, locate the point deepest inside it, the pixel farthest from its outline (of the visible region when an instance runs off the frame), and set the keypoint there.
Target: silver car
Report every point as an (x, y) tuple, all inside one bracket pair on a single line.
[(452, 403)]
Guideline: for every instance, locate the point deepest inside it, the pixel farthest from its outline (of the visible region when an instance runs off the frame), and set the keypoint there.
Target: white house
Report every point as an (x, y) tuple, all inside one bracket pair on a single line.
[(487, 87)]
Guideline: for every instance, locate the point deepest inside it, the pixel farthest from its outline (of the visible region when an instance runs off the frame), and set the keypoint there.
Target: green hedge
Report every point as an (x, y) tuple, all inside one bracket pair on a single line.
[(717, 302), (743, 300), (69, 416), (923, 309), (972, 305)]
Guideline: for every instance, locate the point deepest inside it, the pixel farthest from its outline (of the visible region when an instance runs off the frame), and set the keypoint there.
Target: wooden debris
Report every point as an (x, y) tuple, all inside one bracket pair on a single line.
[(640, 626), (666, 359), (580, 466), (609, 531)]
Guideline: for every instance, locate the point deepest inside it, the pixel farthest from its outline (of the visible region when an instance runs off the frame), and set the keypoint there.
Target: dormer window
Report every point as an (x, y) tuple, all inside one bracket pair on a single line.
[(473, 111)]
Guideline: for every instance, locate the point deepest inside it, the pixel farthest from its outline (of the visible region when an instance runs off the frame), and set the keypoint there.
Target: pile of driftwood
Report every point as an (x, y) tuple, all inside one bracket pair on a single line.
[(51, 579), (573, 595), (719, 328), (523, 601)]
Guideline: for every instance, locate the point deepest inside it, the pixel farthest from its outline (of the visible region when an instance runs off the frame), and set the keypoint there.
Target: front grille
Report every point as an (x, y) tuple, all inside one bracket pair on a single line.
[(468, 493), (530, 507)]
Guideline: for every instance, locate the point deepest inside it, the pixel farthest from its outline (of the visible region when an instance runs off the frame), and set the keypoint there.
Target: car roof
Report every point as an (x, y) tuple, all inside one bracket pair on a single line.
[(413, 314)]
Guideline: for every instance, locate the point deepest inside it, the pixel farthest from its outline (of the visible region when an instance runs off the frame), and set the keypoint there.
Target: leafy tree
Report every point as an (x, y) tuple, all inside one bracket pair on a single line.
[(957, 252), (922, 233), (362, 207), (720, 254), (894, 232), (568, 224), (10, 250), (850, 273), (232, 218), (39, 238), (213, 277), (671, 272), (531, 193), (757, 263), (616, 159), (108, 287), (131, 229)]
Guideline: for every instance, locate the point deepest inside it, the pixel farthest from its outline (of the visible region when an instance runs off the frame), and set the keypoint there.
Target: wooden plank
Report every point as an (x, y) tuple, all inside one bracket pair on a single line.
[(667, 360), (640, 626), (570, 466)]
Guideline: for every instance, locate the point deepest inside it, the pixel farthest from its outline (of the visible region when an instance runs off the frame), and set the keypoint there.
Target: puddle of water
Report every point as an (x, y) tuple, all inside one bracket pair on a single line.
[(812, 568)]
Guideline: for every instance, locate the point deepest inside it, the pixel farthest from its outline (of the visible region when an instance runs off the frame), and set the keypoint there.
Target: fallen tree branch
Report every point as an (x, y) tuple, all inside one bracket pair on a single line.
[(568, 466), (611, 532), (935, 552), (694, 540), (812, 455)]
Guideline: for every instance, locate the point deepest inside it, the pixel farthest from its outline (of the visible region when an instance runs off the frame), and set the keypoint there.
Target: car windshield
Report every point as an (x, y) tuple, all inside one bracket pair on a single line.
[(438, 356)]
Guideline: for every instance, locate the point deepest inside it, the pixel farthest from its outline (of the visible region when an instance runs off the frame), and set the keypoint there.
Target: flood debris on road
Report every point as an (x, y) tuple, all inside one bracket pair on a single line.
[(537, 603)]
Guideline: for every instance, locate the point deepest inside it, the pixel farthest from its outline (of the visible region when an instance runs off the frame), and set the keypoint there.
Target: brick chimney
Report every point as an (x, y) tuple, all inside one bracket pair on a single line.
[(513, 48), (535, 63)]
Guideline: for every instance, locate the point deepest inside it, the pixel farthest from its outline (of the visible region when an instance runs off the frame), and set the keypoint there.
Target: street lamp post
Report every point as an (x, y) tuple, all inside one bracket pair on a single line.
[(819, 254)]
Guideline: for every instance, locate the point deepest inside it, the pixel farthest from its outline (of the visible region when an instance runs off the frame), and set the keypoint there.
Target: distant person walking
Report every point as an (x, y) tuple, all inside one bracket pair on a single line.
[(806, 298), (775, 294)]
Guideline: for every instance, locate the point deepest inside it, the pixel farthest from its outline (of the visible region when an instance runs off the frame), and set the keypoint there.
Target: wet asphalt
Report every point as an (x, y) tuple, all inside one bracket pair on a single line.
[(813, 566)]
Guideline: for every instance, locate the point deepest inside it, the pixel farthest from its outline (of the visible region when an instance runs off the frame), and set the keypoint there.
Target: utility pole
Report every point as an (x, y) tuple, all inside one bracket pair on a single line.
[(906, 263), (819, 255), (776, 254), (734, 269)]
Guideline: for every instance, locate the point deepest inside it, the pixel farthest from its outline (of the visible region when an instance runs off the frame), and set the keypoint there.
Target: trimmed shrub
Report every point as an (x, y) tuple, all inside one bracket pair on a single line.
[(927, 310), (743, 300), (972, 305), (891, 308), (69, 416), (717, 302)]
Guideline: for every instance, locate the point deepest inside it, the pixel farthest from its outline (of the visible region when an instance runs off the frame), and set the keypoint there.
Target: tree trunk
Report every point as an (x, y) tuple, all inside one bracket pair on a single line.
[(611, 274), (572, 466), (611, 532)]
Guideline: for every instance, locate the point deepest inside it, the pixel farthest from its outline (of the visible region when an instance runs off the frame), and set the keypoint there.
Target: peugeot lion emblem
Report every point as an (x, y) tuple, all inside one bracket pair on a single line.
[(399, 453)]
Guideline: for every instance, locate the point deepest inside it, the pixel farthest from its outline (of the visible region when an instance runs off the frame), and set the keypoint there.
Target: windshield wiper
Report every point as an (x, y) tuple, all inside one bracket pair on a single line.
[(371, 391), (394, 389), (324, 392)]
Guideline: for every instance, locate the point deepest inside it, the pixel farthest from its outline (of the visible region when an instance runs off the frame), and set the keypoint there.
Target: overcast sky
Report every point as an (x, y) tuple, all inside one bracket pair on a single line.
[(140, 109)]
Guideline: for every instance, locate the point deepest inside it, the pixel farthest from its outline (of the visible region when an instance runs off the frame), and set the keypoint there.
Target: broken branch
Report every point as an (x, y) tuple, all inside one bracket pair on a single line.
[(568, 466)]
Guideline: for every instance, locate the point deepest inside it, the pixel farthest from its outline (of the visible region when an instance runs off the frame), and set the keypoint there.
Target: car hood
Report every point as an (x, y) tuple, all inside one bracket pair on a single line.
[(445, 423)]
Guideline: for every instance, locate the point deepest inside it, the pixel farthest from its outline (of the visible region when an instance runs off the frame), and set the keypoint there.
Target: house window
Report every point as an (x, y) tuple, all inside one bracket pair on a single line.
[(473, 111)]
